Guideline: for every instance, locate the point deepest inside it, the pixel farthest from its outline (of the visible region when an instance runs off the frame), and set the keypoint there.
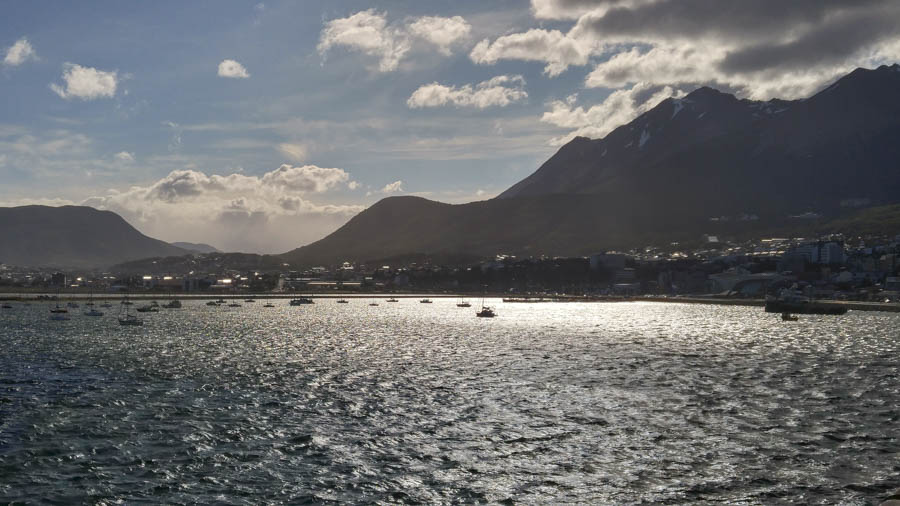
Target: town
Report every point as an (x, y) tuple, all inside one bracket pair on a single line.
[(832, 267)]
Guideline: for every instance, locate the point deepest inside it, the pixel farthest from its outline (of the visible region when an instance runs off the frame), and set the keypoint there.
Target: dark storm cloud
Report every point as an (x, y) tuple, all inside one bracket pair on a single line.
[(733, 20), (835, 40)]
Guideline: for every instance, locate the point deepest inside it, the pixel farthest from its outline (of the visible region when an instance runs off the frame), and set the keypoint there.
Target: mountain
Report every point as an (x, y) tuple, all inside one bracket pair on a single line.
[(72, 236), (196, 247), (705, 163)]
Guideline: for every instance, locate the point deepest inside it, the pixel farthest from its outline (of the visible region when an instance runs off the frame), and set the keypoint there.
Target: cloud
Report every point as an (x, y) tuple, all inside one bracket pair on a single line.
[(86, 83), (440, 31), (574, 9), (498, 91), (553, 47), (296, 152), (232, 69), (369, 32), (619, 108), (19, 53), (395, 187), (124, 156), (759, 49), (268, 213)]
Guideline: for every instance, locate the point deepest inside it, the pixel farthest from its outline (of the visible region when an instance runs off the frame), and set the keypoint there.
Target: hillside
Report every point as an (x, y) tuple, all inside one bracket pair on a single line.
[(72, 236), (705, 163)]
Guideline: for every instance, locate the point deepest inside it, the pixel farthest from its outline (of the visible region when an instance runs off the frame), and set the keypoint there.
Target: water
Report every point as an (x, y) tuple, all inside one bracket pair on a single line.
[(618, 403)]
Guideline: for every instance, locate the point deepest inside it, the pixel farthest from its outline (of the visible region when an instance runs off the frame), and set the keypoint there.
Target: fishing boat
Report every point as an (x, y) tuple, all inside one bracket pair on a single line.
[(125, 316)]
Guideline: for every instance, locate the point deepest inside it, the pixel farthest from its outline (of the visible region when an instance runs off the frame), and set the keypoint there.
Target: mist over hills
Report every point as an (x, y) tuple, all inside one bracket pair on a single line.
[(705, 163), (73, 236)]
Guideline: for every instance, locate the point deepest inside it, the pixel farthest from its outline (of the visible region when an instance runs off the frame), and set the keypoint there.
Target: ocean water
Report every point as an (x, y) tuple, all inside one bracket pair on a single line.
[(605, 403)]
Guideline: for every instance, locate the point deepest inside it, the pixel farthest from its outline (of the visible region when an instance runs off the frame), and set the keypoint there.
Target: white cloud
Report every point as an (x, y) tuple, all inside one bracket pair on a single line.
[(556, 49), (353, 185), (232, 69), (440, 31), (574, 9), (19, 53), (498, 91), (86, 83), (124, 156), (395, 187), (294, 151), (368, 33), (268, 213), (620, 107)]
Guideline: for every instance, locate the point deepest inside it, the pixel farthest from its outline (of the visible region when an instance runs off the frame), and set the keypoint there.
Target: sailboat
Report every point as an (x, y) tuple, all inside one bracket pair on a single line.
[(486, 311), (463, 303), (125, 316), (269, 303), (59, 313), (90, 305)]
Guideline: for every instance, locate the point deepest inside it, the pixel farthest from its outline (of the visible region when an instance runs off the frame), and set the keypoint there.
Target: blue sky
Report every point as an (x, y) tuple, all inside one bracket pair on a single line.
[(261, 126)]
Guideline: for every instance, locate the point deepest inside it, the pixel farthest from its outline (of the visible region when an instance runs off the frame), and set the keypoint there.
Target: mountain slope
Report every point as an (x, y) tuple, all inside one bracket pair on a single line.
[(196, 247), (72, 236), (706, 163)]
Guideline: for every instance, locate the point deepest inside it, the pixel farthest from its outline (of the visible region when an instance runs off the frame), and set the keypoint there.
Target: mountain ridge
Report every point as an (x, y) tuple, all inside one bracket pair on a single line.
[(73, 236), (664, 176)]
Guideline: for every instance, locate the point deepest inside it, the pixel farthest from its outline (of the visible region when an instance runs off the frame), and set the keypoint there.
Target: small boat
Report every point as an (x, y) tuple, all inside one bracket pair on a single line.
[(130, 320), (106, 305), (301, 301), (393, 300), (425, 301), (269, 304), (343, 301), (788, 317), (59, 310), (373, 303), (125, 317), (249, 300), (486, 312), (220, 301), (234, 304), (126, 302), (90, 305), (173, 304), (149, 308), (73, 305), (463, 303), (212, 303), (6, 305)]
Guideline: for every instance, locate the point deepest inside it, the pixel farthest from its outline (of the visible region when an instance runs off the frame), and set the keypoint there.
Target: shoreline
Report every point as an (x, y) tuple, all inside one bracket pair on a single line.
[(33, 298)]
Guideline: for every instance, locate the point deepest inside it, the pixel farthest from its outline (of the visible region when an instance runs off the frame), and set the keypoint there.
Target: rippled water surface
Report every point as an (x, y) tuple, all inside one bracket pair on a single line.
[(547, 403)]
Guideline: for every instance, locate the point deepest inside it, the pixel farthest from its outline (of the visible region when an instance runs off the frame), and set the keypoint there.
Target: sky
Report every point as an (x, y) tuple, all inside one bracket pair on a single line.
[(262, 126)]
